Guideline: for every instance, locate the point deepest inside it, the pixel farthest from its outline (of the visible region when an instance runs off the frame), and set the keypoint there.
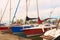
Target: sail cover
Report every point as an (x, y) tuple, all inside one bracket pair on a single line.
[(39, 21), (27, 18)]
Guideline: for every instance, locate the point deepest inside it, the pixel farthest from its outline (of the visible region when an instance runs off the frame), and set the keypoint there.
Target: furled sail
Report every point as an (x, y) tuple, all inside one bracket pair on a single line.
[(27, 18), (39, 21)]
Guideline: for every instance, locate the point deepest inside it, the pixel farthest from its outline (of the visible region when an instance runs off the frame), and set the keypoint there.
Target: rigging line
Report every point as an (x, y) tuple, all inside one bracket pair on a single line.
[(15, 11), (4, 11)]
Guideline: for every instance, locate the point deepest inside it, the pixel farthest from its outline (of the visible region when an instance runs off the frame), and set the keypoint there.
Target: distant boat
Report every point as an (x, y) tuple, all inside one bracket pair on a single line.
[(4, 27)]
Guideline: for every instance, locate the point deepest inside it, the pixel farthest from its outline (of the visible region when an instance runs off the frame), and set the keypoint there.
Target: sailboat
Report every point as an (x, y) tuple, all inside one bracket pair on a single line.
[(4, 27), (30, 31), (35, 30), (41, 28)]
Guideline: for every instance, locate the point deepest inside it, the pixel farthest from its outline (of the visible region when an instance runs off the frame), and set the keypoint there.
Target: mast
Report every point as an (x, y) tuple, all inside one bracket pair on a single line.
[(39, 21), (26, 9), (37, 8), (27, 5), (10, 13), (4, 11), (15, 11)]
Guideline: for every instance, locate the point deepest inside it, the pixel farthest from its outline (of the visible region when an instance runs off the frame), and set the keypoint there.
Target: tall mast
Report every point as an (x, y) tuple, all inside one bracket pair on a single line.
[(37, 8), (26, 11), (26, 8), (10, 13), (39, 20), (27, 5)]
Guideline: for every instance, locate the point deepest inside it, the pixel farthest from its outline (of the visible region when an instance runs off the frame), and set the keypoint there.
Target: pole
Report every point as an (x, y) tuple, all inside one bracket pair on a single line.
[(15, 11), (10, 13), (37, 8), (27, 5)]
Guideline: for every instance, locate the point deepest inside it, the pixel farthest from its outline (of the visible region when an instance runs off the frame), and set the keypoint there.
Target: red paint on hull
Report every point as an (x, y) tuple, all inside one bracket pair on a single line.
[(4, 28), (35, 31)]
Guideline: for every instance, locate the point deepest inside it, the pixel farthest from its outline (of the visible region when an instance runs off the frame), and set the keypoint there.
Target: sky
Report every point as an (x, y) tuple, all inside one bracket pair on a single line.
[(44, 7)]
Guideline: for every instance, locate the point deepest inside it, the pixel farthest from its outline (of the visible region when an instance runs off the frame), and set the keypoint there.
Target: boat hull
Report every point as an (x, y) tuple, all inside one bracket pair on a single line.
[(4, 28), (38, 31)]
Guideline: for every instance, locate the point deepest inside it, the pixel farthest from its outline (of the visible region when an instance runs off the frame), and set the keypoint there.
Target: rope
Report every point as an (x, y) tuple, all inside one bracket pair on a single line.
[(4, 11)]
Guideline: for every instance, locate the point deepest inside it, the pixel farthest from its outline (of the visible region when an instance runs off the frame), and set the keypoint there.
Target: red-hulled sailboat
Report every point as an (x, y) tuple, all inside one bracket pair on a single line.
[(41, 28), (4, 27)]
